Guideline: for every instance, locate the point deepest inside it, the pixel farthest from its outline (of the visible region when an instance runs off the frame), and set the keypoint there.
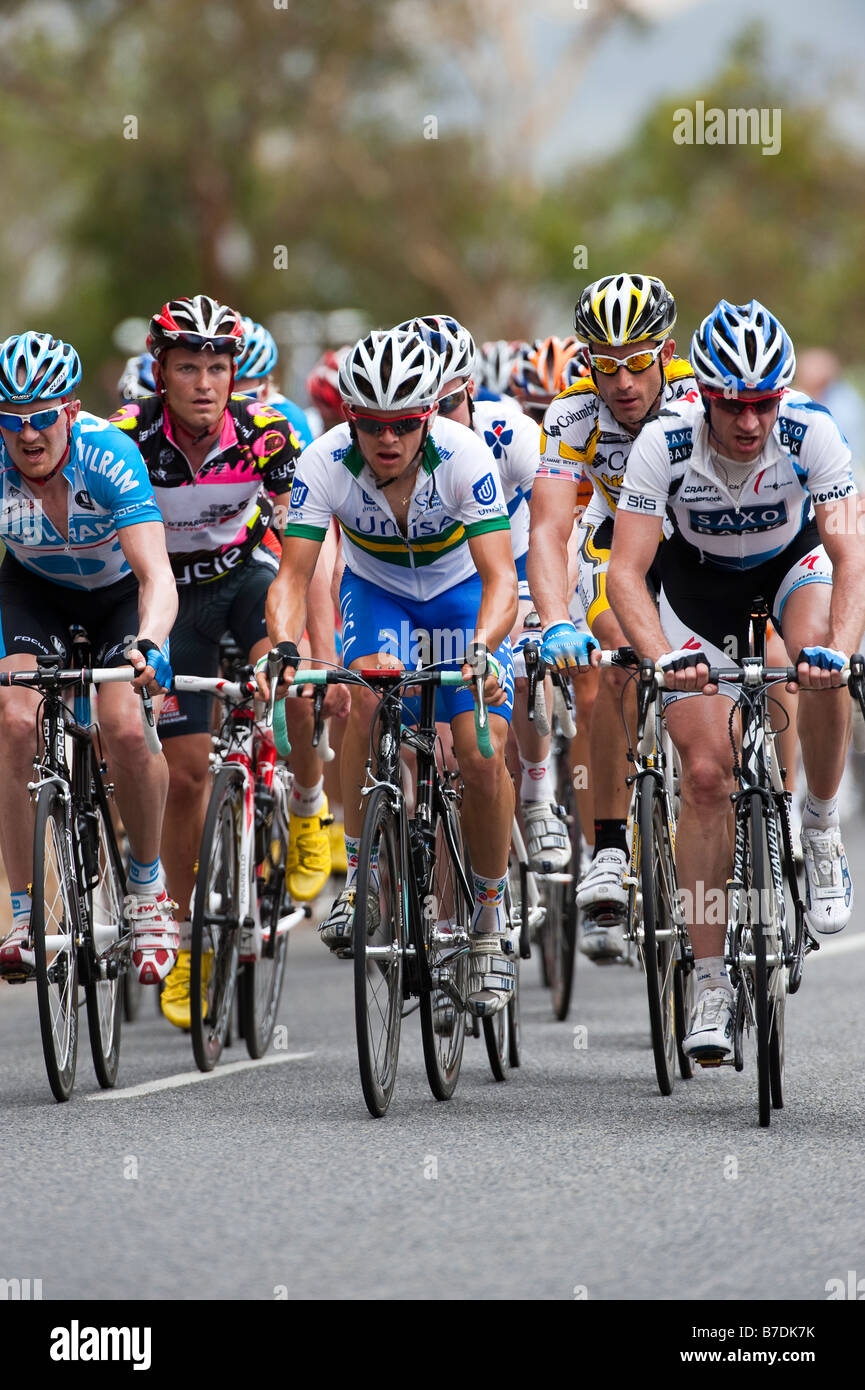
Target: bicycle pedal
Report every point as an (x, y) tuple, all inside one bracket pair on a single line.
[(714, 1061)]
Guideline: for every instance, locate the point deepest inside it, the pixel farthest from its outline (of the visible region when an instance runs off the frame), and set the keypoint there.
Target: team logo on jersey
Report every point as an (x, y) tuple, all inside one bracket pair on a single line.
[(735, 523), (299, 493), (83, 499), (680, 444), (498, 436), (791, 433), (485, 490)]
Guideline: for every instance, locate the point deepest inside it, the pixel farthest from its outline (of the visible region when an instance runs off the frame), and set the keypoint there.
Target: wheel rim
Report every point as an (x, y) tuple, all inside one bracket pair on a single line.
[(106, 914), (61, 974)]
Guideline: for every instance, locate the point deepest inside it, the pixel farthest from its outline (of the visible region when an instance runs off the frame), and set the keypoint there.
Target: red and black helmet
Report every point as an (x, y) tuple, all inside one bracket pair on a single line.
[(195, 324)]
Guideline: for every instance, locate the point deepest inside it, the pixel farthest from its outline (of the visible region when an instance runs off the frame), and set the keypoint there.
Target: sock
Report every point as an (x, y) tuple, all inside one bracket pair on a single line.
[(819, 815), (537, 784), (21, 905), (611, 834), (710, 972), (143, 878), (489, 897), (307, 801), (351, 850)]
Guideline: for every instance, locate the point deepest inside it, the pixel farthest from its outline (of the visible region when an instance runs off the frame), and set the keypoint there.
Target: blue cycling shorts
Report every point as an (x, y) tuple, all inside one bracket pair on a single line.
[(419, 633)]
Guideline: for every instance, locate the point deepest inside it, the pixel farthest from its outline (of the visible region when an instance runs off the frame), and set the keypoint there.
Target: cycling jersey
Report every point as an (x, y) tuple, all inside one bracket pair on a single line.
[(581, 434), (457, 495), (513, 441), (215, 517), (108, 490), (672, 469)]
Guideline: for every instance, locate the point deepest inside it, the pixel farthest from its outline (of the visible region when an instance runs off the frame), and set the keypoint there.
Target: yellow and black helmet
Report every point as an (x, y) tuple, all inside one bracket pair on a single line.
[(620, 309)]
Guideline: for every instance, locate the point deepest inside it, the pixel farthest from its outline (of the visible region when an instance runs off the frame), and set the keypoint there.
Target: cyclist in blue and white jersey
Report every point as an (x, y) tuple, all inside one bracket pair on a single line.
[(253, 376), (428, 556), (513, 440), (756, 481), (85, 545)]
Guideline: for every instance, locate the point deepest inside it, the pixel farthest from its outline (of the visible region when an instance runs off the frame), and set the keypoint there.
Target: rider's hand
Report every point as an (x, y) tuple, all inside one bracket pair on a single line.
[(481, 662), (337, 701), (563, 646), (290, 660), (819, 668), (686, 670), (155, 673)]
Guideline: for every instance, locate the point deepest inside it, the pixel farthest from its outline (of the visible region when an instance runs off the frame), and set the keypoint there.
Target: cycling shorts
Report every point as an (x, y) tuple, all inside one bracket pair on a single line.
[(233, 603), (419, 632), (594, 561), (706, 605), (522, 578), (35, 615)]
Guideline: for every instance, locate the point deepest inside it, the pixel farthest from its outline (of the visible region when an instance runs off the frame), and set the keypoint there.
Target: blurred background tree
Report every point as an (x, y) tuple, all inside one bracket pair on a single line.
[(383, 154)]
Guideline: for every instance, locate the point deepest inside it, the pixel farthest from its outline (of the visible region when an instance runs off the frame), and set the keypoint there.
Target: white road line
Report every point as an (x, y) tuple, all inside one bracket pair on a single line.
[(189, 1078), (842, 946)]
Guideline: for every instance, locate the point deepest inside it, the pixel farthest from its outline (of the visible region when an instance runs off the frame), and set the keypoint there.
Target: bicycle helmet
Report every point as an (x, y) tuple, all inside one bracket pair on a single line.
[(538, 370), (195, 323), (35, 366), (742, 347), (620, 309), (454, 344), (137, 382), (258, 356), (322, 384), (494, 363), (388, 370)]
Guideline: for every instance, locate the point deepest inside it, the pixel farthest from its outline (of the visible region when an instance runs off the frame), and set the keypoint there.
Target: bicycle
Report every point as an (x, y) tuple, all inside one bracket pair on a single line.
[(767, 944), (77, 928), (241, 915), (414, 897), (655, 927)]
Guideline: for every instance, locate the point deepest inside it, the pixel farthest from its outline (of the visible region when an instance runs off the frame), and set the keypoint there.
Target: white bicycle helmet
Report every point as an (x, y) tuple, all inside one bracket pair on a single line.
[(390, 370)]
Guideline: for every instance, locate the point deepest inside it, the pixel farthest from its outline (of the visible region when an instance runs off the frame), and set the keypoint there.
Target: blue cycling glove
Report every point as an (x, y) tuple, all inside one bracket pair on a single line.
[(825, 657), (563, 646), (157, 659)]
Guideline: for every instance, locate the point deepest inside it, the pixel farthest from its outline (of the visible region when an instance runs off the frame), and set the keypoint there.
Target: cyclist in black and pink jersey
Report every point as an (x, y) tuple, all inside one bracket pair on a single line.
[(219, 465)]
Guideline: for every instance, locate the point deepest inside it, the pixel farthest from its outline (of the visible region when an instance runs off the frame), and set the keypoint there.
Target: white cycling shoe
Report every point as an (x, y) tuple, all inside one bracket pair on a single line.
[(17, 957), (602, 886), (492, 973), (155, 935), (710, 1036), (828, 886), (547, 843)]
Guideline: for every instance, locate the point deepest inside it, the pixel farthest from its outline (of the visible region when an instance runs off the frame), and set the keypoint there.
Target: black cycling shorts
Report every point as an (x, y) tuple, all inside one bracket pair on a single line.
[(35, 615), (232, 603)]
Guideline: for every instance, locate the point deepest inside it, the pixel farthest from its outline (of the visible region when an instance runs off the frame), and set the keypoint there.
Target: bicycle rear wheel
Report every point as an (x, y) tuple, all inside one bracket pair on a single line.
[(501, 1031), (447, 915), (658, 941), (559, 931), (260, 982), (105, 905), (379, 951), (770, 984), (53, 927), (216, 921)]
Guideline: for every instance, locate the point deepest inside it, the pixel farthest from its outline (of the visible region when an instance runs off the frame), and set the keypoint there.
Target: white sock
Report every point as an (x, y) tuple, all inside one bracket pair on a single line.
[(488, 915), (21, 905), (819, 815), (305, 801), (710, 972), (537, 784)]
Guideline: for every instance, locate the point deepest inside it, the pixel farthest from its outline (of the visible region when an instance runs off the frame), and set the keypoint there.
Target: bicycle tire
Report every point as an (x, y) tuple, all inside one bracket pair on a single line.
[(378, 979), (659, 935), (105, 998), (260, 983), (442, 1019), (498, 1030), (54, 913), (683, 984), (559, 940), (215, 938), (769, 983)]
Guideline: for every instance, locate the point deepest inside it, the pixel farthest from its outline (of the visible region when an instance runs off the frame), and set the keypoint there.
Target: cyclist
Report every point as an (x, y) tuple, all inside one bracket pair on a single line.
[(253, 375), (513, 442), (85, 545), (210, 453), (755, 479), (427, 548), (136, 381), (322, 387), (626, 320)]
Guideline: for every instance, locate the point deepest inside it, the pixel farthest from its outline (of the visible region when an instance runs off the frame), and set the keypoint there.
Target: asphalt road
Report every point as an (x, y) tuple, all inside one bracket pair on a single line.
[(574, 1178)]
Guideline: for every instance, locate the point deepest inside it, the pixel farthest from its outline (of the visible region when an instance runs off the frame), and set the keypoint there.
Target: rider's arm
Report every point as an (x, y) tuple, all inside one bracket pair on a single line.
[(286, 606), (636, 537), (837, 523), (143, 547), (552, 522), (494, 562)]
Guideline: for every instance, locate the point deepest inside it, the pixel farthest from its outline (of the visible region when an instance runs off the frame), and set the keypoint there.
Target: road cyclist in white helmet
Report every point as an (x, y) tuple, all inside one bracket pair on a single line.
[(755, 479)]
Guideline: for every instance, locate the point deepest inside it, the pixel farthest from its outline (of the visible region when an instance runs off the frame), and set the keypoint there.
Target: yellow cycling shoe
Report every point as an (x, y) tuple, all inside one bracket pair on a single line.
[(307, 864), (338, 859), (174, 1000)]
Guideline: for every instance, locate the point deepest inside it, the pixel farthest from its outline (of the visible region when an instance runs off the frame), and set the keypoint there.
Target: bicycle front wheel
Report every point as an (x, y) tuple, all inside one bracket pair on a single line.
[(108, 929), (559, 932), (260, 983), (447, 915), (379, 935), (657, 934), (215, 943), (53, 927), (770, 981)]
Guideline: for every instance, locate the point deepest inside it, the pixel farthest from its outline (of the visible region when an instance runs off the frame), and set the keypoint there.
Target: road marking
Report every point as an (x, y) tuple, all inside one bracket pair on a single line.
[(189, 1078), (841, 948)]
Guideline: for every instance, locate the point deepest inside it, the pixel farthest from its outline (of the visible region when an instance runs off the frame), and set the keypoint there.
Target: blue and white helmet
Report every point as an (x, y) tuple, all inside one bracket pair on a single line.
[(453, 343), (259, 353), (742, 347), (136, 382), (35, 366)]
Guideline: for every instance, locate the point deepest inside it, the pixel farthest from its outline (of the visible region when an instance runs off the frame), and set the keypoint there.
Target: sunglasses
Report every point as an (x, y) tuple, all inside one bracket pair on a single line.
[(732, 405), (448, 404), (637, 362), (41, 420), (196, 343), (403, 424)]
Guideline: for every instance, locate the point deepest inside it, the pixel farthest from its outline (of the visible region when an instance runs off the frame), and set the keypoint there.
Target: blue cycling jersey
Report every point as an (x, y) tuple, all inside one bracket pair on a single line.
[(108, 489)]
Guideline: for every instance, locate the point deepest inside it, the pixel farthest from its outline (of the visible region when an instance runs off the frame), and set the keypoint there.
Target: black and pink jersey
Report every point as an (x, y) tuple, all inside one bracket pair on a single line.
[(215, 517)]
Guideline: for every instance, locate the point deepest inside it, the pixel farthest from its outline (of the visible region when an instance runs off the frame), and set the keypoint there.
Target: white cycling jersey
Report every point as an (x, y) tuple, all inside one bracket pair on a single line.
[(671, 472), (457, 495), (514, 441)]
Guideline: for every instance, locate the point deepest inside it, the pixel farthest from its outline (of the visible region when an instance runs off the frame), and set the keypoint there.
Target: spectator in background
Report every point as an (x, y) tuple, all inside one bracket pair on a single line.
[(818, 374)]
